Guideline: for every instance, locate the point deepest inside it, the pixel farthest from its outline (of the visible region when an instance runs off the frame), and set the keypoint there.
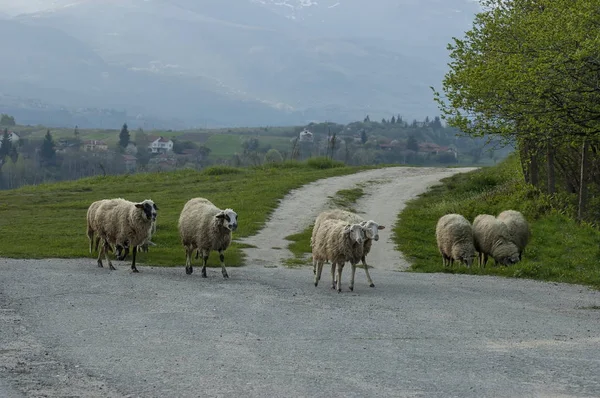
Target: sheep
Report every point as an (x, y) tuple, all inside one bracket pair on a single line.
[(124, 223), (370, 227), (91, 225), (454, 236), (205, 227), (122, 252), (518, 228), (491, 238), (337, 241)]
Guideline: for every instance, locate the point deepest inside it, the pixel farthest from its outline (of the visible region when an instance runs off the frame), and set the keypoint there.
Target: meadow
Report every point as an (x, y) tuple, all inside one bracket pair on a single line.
[(49, 220)]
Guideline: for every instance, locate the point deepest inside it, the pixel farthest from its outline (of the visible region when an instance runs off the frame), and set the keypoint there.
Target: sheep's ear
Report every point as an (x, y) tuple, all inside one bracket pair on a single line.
[(381, 227), (363, 224), (155, 206), (220, 215), (139, 205), (347, 229)]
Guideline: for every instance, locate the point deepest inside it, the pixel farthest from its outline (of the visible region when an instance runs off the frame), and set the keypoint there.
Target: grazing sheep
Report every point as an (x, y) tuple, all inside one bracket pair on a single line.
[(338, 242), (491, 238), (370, 227), (518, 228), (124, 223), (454, 236), (205, 227)]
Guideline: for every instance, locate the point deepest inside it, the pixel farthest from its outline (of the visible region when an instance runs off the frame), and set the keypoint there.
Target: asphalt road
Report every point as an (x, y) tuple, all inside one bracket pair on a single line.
[(68, 328)]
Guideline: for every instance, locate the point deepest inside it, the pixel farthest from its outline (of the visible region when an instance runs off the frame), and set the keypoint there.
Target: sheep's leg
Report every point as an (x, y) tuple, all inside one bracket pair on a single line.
[(197, 253), (133, 254), (205, 254), (188, 260), (222, 259), (100, 253), (97, 242), (352, 277), (366, 267), (105, 250), (340, 266), (90, 234), (319, 268), (333, 274)]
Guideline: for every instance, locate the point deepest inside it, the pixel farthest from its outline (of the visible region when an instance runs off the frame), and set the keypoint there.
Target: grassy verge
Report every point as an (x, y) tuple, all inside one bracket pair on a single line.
[(560, 249), (50, 220)]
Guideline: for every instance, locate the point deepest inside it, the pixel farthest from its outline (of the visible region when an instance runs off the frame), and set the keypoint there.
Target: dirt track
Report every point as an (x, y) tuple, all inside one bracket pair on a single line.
[(68, 328)]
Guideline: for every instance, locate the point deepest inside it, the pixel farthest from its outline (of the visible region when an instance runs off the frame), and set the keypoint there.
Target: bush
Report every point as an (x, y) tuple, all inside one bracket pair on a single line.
[(324, 163)]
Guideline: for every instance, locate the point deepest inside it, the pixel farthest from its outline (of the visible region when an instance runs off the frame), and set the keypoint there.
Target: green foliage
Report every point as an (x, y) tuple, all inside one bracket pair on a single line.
[(124, 136), (5, 145), (560, 249), (273, 156), (324, 163), (55, 214), (221, 170), (6, 120), (412, 144), (47, 150)]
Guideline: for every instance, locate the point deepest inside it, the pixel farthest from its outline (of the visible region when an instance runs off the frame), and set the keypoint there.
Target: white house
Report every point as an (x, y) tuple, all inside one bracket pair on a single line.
[(306, 136), (160, 145), (12, 136)]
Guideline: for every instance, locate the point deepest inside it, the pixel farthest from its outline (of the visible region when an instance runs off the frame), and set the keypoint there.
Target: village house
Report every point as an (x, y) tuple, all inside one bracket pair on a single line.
[(12, 136), (95, 146), (160, 145), (306, 136)]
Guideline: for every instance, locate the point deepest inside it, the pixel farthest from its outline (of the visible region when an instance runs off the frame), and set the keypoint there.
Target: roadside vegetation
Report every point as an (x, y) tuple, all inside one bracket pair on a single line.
[(49, 220), (560, 250)]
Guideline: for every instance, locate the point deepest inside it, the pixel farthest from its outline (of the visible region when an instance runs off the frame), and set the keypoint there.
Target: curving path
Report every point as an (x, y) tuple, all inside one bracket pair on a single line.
[(387, 190)]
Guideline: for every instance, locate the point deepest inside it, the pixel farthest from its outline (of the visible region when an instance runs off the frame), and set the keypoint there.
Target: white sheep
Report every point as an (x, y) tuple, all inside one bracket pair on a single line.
[(91, 224), (124, 223), (491, 238), (205, 227), (338, 242), (122, 252), (370, 227), (454, 236), (518, 228)]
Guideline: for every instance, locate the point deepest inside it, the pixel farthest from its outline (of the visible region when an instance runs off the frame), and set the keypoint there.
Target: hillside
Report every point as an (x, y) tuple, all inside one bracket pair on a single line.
[(235, 62)]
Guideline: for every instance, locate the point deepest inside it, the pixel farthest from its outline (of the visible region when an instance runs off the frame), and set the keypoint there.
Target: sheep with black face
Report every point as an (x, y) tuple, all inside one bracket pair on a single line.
[(205, 227), (123, 223)]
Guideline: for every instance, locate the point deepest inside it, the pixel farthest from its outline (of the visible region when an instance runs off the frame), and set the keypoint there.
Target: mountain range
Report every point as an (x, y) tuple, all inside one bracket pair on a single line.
[(227, 62)]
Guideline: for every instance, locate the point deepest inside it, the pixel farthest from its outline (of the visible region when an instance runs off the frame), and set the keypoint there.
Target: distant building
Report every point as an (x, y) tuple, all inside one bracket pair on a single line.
[(94, 146), (306, 136), (160, 145), (12, 137), (130, 162)]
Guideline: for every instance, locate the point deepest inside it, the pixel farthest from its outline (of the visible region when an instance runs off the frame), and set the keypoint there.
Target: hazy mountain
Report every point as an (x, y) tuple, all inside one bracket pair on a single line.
[(233, 62)]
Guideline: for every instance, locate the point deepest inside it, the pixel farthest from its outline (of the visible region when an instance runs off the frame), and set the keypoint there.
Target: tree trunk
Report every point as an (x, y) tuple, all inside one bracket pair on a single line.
[(550, 166), (534, 169), (583, 192), (524, 157)]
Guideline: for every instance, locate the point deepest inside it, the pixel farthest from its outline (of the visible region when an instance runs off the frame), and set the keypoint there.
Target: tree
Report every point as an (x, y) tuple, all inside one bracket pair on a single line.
[(393, 121), (273, 156), (528, 72), (47, 150), (367, 119), (124, 136), (412, 144), (5, 145), (6, 120), (363, 136)]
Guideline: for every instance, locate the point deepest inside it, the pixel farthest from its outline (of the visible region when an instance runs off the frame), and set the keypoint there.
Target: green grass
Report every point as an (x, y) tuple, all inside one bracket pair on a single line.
[(560, 250), (300, 242), (49, 221), (224, 146)]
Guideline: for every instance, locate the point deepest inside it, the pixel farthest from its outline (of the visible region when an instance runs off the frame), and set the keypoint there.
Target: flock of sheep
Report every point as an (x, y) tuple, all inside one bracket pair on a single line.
[(124, 224), (338, 236), (502, 238)]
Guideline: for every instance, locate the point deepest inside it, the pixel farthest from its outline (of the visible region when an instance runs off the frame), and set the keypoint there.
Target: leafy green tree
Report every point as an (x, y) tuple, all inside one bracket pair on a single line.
[(47, 150), (393, 120), (367, 119), (363, 136), (412, 144), (273, 156), (6, 144), (124, 136), (6, 120)]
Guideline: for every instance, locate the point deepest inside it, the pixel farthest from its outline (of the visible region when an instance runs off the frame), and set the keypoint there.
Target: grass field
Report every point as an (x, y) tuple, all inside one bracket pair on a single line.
[(560, 249), (49, 221)]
